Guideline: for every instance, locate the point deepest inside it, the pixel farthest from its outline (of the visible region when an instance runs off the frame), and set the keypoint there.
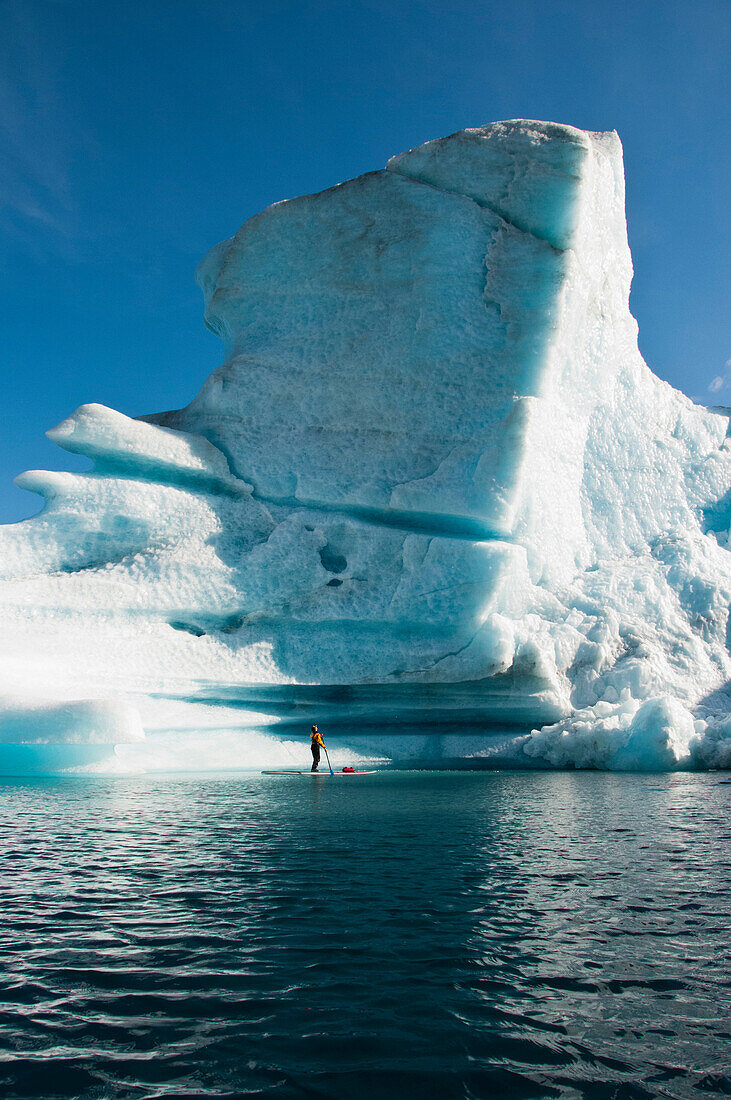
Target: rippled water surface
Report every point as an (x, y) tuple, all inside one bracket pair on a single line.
[(393, 935)]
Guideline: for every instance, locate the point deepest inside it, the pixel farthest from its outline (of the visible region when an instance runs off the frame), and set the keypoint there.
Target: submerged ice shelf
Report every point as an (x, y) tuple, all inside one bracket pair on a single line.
[(433, 489)]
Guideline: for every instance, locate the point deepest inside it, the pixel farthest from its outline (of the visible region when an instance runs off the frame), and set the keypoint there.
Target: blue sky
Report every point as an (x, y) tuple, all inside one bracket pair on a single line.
[(136, 136)]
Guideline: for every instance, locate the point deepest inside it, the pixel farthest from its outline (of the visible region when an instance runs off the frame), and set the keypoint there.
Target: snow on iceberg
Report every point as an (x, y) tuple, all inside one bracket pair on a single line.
[(432, 490)]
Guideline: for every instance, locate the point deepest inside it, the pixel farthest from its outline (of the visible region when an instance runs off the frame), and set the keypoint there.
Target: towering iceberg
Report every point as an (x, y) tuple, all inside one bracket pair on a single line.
[(433, 487)]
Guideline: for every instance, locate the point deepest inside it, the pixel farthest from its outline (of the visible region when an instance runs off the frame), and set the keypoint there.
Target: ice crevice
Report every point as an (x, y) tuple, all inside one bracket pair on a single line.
[(433, 525), (483, 205), (430, 524)]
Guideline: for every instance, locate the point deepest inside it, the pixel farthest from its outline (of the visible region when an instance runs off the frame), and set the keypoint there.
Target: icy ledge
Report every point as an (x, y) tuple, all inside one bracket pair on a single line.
[(433, 498)]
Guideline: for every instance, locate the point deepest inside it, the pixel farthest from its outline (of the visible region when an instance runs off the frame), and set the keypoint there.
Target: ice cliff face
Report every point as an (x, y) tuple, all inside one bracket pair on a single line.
[(433, 486)]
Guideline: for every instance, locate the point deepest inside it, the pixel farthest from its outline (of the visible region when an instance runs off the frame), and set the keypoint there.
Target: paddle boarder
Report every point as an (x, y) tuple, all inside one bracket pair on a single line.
[(316, 743)]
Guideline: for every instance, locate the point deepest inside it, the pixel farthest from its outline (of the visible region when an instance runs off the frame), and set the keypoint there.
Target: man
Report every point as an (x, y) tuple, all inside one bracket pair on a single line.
[(316, 743)]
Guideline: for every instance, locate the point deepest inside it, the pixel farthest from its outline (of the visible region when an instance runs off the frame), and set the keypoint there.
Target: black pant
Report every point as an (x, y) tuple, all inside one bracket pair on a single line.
[(315, 756)]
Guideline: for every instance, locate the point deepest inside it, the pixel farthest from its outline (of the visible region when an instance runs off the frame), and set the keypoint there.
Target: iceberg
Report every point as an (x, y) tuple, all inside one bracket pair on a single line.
[(433, 499), (79, 736)]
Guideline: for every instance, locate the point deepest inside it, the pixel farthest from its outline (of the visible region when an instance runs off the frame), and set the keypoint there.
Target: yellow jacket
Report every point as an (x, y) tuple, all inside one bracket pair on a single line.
[(316, 738)]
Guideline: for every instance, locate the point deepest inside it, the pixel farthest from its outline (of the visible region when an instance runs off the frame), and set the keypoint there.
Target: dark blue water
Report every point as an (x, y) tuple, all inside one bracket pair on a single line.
[(396, 935)]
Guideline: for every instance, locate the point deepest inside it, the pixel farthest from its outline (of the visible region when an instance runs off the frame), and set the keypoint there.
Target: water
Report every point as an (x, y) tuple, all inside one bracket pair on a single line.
[(396, 935)]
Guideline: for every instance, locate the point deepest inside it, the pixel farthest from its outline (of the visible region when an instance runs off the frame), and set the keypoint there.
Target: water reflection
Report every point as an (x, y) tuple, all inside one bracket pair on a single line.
[(512, 934)]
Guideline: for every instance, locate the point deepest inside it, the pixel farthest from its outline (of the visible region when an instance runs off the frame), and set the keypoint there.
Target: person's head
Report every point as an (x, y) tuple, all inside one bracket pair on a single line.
[(314, 729)]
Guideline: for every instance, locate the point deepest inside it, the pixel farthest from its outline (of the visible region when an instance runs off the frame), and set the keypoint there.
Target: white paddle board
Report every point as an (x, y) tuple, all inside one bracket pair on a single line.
[(320, 774)]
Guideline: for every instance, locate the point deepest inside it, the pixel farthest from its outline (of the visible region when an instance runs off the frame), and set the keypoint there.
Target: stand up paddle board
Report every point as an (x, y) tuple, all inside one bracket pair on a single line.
[(326, 775)]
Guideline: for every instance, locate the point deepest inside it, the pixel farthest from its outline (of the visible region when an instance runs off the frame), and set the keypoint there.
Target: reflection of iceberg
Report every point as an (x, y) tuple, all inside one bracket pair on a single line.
[(433, 487)]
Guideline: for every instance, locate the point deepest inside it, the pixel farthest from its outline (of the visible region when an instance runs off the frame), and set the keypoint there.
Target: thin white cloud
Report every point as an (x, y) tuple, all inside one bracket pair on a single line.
[(39, 135), (721, 381)]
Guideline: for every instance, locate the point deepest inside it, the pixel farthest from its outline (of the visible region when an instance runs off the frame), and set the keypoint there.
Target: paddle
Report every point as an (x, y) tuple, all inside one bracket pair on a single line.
[(327, 754)]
